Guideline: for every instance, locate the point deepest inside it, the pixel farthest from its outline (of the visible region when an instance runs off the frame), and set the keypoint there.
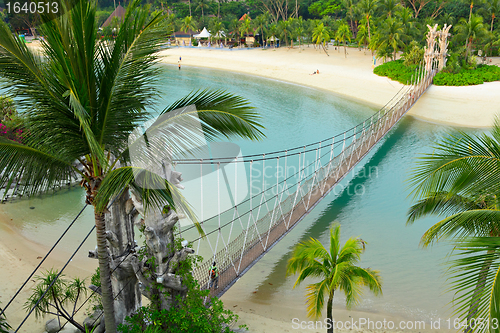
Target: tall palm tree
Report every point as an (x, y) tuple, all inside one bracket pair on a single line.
[(188, 24), (390, 36), (343, 34), (299, 29), (350, 6), (470, 30), (367, 8), (336, 267), (320, 35), (492, 9), (260, 25), (389, 7), (245, 27), (82, 100), (284, 30), (460, 180), (202, 4)]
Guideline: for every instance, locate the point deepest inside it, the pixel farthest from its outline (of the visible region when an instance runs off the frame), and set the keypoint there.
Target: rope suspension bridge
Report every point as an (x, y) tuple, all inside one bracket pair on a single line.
[(281, 188), (235, 239)]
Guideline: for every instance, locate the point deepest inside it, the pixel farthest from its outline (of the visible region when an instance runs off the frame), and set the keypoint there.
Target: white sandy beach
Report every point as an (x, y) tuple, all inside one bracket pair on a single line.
[(352, 77)]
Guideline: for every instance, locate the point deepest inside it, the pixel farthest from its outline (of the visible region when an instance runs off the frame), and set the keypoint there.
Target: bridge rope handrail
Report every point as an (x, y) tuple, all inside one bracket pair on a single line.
[(246, 158)]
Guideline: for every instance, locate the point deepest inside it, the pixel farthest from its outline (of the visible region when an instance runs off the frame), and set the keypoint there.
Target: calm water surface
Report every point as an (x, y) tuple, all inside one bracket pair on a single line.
[(371, 203)]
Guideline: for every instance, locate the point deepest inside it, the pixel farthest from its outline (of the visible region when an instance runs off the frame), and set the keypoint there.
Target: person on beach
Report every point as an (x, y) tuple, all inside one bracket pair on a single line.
[(179, 66), (180, 58), (214, 276)]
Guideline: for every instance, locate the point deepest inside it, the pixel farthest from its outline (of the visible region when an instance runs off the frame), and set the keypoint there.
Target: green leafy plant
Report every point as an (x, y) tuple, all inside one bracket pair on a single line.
[(414, 55), (61, 298), (396, 70), (4, 326), (467, 77)]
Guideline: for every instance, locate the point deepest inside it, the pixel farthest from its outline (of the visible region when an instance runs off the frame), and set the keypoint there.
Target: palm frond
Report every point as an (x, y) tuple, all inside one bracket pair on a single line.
[(439, 204), (315, 296), (222, 114), (478, 222)]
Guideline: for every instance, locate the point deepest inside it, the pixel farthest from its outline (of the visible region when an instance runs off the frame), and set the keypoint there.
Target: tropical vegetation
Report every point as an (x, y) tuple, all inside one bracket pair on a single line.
[(459, 182), (336, 270)]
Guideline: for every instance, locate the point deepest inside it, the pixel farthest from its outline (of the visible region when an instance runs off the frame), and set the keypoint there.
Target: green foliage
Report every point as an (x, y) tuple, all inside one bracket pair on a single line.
[(4, 326), (191, 313), (414, 55), (467, 77), (324, 8), (396, 70), (61, 298)]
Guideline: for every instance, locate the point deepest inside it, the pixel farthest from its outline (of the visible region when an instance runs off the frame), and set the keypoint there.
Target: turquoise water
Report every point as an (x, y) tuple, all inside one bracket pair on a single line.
[(371, 203)]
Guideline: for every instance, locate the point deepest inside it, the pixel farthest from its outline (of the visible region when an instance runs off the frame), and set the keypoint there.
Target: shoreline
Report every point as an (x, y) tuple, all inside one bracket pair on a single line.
[(351, 78)]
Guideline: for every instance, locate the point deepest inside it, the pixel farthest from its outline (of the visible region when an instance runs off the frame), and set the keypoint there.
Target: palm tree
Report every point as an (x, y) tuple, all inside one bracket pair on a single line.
[(343, 34), (260, 25), (299, 29), (492, 9), (337, 270), (389, 7), (390, 36), (245, 27), (470, 30), (83, 99), (284, 29), (405, 16), (320, 35), (188, 24), (202, 4), (460, 181), (367, 8), (350, 6), (362, 37)]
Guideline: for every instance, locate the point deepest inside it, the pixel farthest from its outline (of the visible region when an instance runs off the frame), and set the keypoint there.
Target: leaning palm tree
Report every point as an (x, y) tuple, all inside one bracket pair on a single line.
[(82, 99), (337, 270), (460, 181), (320, 36)]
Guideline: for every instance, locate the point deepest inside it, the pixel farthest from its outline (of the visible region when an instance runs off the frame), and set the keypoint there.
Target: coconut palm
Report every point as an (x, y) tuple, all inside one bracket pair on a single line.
[(350, 6), (82, 100), (284, 28), (491, 9), (390, 36), (336, 268), (343, 34), (471, 31), (188, 24), (202, 4), (260, 25), (389, 7), (245, 27), (299, 29), (321, 35), (460, 180), (362, 37), (367, 8)]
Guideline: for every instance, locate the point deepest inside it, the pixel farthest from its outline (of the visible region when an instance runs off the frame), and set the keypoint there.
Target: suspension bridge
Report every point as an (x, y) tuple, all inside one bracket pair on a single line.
[(238, 237)]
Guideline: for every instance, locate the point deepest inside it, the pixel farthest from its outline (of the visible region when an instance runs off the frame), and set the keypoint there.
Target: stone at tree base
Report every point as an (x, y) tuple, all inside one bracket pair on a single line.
[(69, 328), (92, 320), (52, 326)]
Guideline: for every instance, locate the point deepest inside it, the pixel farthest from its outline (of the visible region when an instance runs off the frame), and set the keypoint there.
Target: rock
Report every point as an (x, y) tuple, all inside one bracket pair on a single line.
[(93, 320), (69, 328), (52, 326)]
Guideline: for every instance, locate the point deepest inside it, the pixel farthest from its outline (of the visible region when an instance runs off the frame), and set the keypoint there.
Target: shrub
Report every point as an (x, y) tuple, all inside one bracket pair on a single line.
[(467, 77), (4, 326), (396, 70), (11, 123), (414, 55)]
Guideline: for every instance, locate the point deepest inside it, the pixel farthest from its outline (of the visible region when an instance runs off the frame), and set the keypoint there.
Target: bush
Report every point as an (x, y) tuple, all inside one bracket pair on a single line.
[(396, 70), (4, 327), (468, 77), (414, 55)]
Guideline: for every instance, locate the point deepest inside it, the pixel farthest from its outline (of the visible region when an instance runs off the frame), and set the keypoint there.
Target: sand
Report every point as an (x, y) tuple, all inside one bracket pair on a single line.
[(351, 77)]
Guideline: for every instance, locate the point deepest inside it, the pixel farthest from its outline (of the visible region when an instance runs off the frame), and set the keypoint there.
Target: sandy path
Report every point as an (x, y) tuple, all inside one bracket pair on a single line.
[(352, 77)]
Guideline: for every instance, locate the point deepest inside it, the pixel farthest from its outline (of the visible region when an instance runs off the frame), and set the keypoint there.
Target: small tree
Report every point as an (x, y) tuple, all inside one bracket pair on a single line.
[(336, 269), (61, 298), (4, 326)]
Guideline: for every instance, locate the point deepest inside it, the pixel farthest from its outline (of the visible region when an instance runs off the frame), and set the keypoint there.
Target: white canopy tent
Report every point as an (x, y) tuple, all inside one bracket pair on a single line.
[(203, 34)]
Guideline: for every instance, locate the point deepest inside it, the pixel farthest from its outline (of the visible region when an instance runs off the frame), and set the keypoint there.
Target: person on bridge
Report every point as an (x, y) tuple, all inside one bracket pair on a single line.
[(214, 276)]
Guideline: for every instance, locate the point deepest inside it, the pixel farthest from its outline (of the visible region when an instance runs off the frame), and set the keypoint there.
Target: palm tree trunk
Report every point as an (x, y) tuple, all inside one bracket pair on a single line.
[(190, 8), (492, 19), (104, 267), (329, 314), (345, 51)]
